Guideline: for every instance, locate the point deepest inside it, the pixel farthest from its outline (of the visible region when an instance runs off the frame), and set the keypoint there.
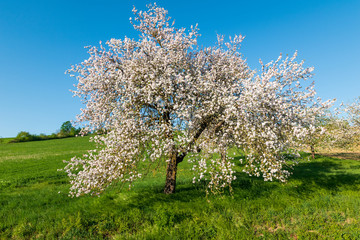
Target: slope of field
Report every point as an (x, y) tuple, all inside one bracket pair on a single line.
[(320, 201)]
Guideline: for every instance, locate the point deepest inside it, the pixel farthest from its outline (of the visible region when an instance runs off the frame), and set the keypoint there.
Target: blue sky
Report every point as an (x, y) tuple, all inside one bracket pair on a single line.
[(39, 40)]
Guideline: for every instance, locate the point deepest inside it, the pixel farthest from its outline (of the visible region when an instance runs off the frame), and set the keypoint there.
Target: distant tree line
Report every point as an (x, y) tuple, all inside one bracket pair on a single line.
[(66, 130)]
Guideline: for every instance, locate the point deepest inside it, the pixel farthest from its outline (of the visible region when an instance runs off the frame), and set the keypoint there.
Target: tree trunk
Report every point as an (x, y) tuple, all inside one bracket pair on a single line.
[(171, 171), (170, 182), (312, 151)]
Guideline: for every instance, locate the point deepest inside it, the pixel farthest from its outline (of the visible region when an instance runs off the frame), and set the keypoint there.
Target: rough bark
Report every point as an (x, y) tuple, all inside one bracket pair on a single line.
[(170, 183)]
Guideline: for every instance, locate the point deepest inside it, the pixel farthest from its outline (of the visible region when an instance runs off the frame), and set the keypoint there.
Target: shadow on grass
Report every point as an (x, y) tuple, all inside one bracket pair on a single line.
[(328, 174), (244, 187), (307, 179)]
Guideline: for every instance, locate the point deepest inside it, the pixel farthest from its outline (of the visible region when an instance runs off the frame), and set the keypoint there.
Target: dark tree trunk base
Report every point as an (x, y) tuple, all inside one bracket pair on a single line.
[(170, 183), (312, 152)]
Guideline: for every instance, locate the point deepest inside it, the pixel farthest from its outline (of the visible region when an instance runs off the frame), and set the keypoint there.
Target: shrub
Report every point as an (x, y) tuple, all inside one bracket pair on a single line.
[(23, 137)]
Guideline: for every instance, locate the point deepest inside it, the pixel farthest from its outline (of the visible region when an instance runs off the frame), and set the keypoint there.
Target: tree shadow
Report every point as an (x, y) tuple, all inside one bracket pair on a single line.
[(307, 179), (244, 187), (327, 174)]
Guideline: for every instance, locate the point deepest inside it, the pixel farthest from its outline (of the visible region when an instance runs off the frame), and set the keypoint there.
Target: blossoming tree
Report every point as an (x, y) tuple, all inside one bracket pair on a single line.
[(343, 129), (353, 111), (163, 98)]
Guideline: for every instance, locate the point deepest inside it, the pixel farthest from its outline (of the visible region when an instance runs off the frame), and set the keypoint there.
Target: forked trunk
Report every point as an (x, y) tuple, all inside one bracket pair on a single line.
[(170, 183)]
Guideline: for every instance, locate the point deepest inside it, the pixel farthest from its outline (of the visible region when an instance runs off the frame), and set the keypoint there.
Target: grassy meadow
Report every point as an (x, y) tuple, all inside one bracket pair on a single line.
[(321, 200)]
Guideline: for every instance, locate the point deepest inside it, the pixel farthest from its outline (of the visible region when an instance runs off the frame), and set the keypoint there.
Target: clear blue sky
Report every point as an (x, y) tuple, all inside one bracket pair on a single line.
[(39, 40)]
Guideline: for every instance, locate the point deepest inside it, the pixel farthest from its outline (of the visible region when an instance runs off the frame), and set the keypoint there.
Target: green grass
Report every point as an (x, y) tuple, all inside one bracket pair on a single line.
[(5, 140), (321, 200)]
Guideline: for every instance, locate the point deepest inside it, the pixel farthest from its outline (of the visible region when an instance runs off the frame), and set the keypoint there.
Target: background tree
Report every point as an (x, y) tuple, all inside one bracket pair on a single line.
[(341, 134), (162, 98), (67, 130), (354, 115), (317, 137), (66, 127), (339, 129), (344, 128), (353, 111)]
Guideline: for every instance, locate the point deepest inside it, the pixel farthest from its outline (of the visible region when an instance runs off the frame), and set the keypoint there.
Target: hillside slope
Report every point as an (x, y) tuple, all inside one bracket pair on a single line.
[(321, 200)]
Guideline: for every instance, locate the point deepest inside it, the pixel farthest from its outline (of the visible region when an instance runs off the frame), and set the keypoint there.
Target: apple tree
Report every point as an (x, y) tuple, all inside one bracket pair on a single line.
[(161, 98)]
